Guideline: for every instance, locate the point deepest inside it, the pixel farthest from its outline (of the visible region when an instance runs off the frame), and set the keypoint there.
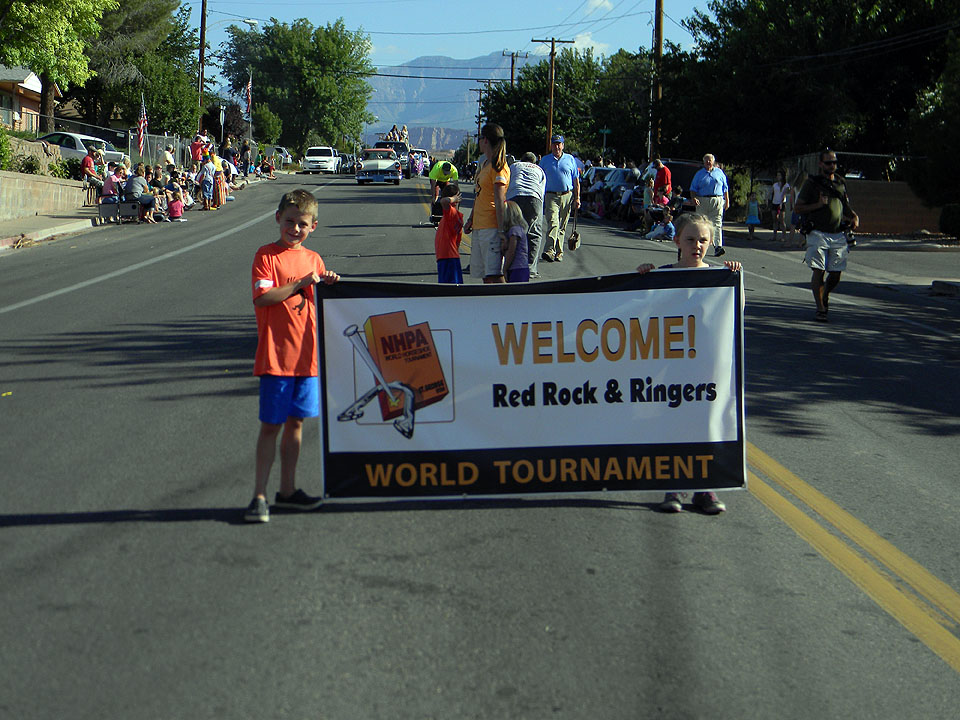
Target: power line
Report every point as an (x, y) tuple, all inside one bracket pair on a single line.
[(447, 33)]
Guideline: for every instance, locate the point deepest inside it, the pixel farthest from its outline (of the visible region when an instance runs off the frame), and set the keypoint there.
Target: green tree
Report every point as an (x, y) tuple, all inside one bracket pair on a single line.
[(522, 110), (145, 46), (50, 38), (936, 134), (266, 125), (623, 105), (170, 78), (785, 76), (313, 78), (460, 155)]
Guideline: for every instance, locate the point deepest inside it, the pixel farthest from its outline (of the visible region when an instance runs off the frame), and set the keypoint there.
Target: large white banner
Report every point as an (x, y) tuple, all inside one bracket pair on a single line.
[(625, 382)]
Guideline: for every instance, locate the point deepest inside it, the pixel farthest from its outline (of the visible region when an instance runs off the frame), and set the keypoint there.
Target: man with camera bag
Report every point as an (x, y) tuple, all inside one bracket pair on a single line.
[(823, 200)]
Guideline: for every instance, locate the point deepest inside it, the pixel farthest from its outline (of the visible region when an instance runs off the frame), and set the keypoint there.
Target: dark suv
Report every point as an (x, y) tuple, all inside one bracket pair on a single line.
[(402, 151)]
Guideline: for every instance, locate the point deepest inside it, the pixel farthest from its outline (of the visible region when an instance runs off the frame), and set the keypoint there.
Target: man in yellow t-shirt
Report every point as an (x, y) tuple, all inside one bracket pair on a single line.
[(440, 174)]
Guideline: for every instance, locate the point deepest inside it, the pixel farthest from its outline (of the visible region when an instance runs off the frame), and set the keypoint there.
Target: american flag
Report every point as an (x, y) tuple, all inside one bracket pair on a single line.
[(142, 124), (249, 94)]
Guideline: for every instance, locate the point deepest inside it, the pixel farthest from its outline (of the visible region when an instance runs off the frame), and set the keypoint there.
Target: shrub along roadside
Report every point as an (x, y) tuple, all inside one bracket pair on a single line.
[(6, 156)]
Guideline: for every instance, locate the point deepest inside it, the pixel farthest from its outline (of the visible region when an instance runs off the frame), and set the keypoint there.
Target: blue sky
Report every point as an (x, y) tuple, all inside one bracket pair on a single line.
[(403, 30), (399, 29)]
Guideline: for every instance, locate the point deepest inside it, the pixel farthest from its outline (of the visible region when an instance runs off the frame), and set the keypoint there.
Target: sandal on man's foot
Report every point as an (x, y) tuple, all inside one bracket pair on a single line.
[(821, 316)]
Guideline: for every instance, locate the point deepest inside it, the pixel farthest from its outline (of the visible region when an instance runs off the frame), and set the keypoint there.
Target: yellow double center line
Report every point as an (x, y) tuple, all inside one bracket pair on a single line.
[(919, 601)]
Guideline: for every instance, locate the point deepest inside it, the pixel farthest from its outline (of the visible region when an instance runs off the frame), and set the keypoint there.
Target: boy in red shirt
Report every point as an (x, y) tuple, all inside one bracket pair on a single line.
[(449, 234), (284, 273)]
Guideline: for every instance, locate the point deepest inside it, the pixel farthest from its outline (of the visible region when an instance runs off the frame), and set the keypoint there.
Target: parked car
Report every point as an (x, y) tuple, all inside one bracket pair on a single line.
[(283, 155), (592, 175), (682, 172), (74, 145), (618, 180), (319, 159), (379, 165), (401, 149)]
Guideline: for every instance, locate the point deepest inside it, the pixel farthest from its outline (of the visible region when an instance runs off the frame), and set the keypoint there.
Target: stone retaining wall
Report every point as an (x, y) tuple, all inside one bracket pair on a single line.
[(45, 153), (890, 207), (27, 195)]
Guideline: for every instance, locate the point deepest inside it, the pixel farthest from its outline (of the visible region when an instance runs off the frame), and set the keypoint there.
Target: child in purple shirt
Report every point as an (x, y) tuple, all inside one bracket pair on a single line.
[(516, 262)]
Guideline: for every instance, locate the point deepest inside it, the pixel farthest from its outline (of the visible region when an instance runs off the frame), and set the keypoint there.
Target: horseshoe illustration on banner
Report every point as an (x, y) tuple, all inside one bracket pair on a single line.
[(395, 391)]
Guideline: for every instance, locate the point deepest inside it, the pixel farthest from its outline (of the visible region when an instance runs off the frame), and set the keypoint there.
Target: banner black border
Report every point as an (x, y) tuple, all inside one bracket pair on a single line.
[(673, 278)]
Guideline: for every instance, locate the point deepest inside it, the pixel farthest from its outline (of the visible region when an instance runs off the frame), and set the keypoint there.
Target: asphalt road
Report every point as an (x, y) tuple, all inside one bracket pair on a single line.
[(132, 590)]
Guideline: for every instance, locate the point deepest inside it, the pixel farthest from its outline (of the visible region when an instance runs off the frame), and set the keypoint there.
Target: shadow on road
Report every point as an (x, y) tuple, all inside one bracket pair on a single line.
[(178, 352), (231, 516), (868, 356), (234, 515)]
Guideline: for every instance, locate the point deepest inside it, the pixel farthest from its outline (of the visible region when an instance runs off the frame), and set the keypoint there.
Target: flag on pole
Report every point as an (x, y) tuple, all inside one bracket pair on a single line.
[(250, 95), (142, 124)]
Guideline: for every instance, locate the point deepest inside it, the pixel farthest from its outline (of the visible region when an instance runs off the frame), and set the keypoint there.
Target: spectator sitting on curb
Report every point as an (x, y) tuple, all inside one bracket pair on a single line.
[(663, 230), (266, 168), (88, 166), (113, 184), (136, 189)]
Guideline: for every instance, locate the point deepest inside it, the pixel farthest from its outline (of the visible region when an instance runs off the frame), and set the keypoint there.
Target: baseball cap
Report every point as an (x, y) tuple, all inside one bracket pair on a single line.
[(556, 139)]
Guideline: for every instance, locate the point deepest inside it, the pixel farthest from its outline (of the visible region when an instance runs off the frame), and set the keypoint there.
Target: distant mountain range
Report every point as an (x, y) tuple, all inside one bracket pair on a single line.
[(438, 113)]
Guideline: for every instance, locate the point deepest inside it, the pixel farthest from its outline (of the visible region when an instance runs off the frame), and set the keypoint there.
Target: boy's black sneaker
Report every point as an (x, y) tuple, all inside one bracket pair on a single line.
[(298, 501), (257, 511), (719, 251)]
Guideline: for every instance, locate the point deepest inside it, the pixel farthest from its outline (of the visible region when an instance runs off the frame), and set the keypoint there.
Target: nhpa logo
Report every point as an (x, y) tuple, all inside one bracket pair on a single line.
[(406, 367)]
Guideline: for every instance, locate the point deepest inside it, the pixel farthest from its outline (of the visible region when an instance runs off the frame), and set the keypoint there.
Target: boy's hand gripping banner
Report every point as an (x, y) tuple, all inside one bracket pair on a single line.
[(625, 382)]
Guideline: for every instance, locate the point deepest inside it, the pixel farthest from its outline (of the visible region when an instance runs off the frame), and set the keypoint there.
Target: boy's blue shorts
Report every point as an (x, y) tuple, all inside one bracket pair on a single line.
[(449, 271), (207, 188), (286, 397)]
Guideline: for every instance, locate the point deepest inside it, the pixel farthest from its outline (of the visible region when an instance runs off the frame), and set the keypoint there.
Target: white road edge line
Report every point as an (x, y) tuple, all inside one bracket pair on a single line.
[(138, 266)]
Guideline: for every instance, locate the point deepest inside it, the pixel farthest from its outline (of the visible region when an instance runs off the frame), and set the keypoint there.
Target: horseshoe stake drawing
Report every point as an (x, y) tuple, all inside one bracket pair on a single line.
[(395, 391)]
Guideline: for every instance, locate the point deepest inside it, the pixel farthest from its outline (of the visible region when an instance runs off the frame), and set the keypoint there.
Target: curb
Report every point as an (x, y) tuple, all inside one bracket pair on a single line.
[(6, 243), (69, 226)]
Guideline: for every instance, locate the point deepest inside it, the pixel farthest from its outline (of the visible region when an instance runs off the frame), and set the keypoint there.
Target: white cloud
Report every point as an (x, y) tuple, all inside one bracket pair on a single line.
[(594, 5), (585, 40)]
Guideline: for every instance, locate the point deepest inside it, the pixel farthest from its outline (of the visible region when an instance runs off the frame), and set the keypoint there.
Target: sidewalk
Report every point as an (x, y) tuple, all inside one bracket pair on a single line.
[(24, 231), (27, 230)]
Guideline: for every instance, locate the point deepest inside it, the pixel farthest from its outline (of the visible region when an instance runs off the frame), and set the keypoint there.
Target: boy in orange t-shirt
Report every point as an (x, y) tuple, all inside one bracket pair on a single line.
[(446, 243), (284, 273)]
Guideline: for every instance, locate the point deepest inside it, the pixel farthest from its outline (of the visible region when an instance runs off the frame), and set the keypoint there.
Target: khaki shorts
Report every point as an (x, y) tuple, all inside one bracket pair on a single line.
[(826, 251), (486, 258)]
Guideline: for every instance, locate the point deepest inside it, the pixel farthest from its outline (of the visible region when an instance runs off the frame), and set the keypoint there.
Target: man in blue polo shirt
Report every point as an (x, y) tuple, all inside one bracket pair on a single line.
[(562, 193), (710, 192)]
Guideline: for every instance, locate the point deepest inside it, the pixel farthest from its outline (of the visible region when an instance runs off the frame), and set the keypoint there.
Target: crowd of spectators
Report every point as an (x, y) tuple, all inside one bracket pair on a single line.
[(166, 189)]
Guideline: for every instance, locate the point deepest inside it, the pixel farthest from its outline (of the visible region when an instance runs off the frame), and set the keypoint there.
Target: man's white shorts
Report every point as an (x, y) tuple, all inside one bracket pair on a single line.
[(486, 258), (826, 251)]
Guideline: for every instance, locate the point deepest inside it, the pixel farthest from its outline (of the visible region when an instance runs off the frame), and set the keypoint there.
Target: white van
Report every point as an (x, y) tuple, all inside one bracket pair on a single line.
[(319, 159)]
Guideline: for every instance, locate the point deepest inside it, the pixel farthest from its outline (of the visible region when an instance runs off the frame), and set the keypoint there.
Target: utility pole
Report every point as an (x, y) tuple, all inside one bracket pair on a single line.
[(553, 70), (479, 92), (657, 70), (203, 46), (513, 61)]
